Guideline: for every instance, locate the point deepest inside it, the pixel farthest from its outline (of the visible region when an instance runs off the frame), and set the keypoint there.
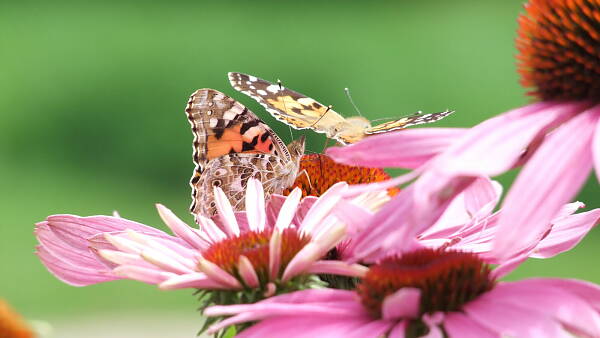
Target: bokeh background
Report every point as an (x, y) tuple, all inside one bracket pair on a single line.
[(92, 98)]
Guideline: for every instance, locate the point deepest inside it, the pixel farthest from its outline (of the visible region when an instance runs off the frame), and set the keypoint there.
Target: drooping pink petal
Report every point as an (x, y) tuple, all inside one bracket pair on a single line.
[(587, 291), (460, 325), (511, 321), (596, 144), (550, 179), (495, 145), (566, 233), (404, 303), (76, 230), (302, 327), (557, 304), (322, 207), (76, 275), (214, 272), (338, 268), (144, 275), (194, 280), (181, 229), (313, 251), (409, 148)]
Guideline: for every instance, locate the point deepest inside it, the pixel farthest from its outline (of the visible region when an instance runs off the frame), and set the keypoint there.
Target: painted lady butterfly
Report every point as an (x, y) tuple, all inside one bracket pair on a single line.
[(302, 112), (231, 145)]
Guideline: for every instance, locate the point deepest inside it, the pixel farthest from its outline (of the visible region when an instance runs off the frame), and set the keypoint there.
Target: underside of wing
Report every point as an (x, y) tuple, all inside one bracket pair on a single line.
[(223, 126), (231, 173), (286, 105), (407, 122)]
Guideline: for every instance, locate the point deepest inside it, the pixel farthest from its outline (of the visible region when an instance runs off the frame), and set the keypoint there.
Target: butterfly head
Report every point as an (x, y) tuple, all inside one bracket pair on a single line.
[(296, 148)]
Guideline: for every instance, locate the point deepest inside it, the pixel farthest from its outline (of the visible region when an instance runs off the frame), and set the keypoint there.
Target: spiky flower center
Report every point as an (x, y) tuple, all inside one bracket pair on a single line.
[(447, 279), (319, 172), (558, 43), (255, 246)]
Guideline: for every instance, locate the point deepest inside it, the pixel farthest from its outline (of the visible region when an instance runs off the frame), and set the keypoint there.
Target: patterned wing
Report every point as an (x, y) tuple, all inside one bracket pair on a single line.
[(223, 126), (231, 173), (407, 122), (286, 105)]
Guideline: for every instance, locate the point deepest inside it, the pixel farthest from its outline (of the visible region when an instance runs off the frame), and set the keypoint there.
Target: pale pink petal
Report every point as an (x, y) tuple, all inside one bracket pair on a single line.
[(596, 146), (255, 205), (459, 325), (312, 252), (165, 262), (550, 179), (510, 320), (555, 303), (247, 272), (495, 145), (399, 330), (144, 275), (226, 213), (165, 250), (303, 327), (589, 292), (274, 254), (288, 209), (338, 268), (76, 275), (181, 229), (403, 149), (566, 233), (481, 197), (321, 208), (195, 280), (123, 258), (214, 272), (404, 303), (75, 230), (207, 226)]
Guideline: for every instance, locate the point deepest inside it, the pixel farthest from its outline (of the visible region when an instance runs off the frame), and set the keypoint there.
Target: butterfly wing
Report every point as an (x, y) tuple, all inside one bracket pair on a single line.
[(231, 173), (223, 126), (223, 130), (407, 122), (286, 105)]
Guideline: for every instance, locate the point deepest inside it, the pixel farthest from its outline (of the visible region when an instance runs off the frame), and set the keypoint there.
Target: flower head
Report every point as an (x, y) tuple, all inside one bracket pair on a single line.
[(558, 54), (556, 141), (262, 257), (319, 172)]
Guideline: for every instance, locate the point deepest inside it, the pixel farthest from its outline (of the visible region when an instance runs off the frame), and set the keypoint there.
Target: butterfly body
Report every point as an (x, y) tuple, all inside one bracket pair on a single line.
[(302, 112), (231, 145)]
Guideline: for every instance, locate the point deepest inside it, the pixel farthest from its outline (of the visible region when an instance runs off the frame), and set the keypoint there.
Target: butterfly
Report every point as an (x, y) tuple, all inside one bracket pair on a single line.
[(302, 112), (231, 145)]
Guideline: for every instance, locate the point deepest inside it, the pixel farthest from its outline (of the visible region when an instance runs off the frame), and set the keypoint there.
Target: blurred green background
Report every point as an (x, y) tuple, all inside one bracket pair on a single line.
[(92, 98)]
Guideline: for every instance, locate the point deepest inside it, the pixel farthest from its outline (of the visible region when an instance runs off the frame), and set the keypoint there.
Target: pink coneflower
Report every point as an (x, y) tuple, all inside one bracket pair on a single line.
[(426, 293), (252, 252), (468, 223), (557, 139)]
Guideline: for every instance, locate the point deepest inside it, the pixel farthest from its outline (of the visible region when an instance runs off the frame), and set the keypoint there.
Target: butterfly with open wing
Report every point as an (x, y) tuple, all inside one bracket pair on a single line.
[(302, 112), (231, 145)]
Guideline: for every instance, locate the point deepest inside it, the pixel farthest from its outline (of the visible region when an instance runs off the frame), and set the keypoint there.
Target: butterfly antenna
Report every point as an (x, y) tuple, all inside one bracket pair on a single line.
[(347, 91)]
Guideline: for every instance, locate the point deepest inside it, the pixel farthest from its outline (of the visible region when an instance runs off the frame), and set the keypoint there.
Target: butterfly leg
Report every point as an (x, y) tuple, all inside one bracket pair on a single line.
[(304, 172)]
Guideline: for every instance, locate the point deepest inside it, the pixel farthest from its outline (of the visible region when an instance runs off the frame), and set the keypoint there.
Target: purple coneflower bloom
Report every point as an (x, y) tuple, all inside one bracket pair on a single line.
[(266, 248), (557, 140)]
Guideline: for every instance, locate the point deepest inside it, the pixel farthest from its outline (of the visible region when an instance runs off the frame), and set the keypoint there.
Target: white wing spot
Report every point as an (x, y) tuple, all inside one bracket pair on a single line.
[(230, 115), (252, 78), (209, 112), (213, 122), (307, 101), (273, 88), (261, 92)]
